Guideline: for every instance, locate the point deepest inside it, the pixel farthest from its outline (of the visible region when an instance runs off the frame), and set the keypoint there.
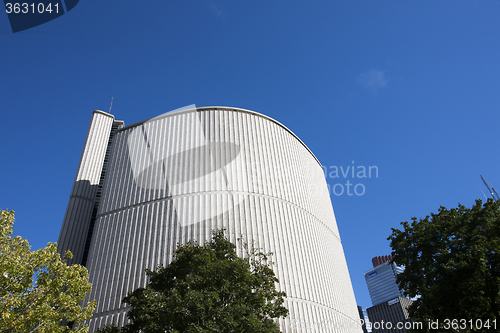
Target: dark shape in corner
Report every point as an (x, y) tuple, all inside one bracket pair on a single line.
[(70, 4), (29, 14)]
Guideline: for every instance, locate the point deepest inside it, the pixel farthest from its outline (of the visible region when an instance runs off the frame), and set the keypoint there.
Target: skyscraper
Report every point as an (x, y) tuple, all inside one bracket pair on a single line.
[(389, 312), (142, 189), (381, 281)]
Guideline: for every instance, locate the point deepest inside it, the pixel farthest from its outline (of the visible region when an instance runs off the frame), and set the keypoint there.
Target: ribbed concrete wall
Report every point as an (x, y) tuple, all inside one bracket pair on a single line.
[(81, 201), (176, 177)]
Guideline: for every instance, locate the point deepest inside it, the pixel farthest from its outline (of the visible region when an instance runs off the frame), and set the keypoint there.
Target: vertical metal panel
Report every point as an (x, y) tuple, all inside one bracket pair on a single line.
[(81, 203), (226, 168)]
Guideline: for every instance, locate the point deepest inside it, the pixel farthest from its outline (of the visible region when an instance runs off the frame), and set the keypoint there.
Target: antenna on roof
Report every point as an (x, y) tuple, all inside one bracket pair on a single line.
[(492, 191), (495, 191), (112, 106)]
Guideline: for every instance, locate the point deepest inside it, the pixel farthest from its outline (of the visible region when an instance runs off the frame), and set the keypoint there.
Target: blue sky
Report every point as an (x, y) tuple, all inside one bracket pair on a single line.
[(411, 87)]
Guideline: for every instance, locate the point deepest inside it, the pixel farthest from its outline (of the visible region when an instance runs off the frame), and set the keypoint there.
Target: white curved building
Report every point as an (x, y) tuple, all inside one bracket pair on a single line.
[(176, 177)]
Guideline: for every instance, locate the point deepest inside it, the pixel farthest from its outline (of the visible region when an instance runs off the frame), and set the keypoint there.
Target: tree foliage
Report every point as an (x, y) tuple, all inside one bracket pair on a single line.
[(208, 289), (38, 291), (452, 261)]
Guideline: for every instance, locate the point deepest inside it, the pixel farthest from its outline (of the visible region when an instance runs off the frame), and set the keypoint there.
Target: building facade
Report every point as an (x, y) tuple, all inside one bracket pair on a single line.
[(381, 282), (392, 316), (389, 312), (363, 317), (142, 189)]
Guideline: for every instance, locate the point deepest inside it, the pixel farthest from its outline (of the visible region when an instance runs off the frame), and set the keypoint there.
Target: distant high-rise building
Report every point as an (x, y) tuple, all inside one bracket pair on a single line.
[(381, 282), (389, 312), (142, 189)]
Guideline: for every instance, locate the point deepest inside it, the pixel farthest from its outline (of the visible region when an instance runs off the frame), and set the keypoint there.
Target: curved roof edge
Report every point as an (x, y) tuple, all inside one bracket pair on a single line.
[(225, 108)]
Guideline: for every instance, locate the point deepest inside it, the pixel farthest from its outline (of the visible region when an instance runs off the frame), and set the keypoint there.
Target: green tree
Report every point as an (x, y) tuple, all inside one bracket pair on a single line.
[(208, 289), (39, 293), (452, 261)]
